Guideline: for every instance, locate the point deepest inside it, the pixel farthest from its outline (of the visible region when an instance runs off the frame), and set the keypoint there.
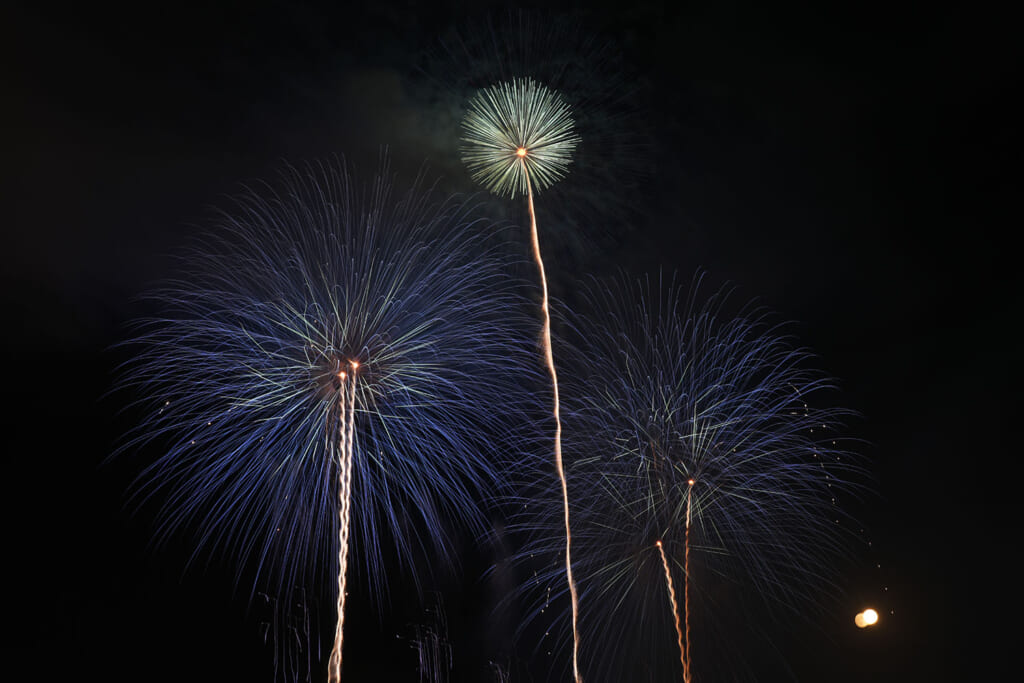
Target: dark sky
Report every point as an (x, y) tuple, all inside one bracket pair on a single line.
[(852, 166)]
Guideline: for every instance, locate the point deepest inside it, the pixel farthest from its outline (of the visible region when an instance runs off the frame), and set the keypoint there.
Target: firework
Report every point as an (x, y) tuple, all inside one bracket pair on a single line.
[(571, 55), (335, 368), (517, 135), (696, 450)]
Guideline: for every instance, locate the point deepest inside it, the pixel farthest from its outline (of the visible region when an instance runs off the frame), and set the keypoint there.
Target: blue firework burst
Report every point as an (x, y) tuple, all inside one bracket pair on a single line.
[(241, 378), (698, 428)]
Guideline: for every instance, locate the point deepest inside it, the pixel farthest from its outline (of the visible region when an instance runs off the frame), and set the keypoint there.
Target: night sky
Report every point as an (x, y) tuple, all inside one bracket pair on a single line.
[(851, 167)]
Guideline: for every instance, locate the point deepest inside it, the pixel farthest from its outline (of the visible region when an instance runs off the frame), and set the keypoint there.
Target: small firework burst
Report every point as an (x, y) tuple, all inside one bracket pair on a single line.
[(517, 132)]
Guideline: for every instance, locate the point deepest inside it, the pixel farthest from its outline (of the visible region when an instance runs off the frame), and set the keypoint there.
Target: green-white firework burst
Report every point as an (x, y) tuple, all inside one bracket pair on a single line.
[(515, 133)]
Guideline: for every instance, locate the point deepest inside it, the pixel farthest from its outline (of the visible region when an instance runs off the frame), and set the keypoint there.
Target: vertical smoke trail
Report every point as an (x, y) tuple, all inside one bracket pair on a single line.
[(346, 436), (550, 357)]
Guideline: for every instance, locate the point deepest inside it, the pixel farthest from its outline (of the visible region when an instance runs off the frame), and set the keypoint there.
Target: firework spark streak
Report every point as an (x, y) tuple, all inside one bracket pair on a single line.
[(518, 134), (336, 368)]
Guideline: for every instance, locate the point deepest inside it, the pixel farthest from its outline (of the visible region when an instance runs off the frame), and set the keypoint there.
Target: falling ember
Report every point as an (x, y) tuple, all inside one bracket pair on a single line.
[(346, 437), (550, 357), (675, 609)]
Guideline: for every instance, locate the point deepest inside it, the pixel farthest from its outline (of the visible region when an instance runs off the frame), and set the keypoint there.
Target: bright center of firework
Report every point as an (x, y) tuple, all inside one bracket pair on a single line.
[(691, 482), (521, 152), (354, 364), (342, 374), (657, 543)]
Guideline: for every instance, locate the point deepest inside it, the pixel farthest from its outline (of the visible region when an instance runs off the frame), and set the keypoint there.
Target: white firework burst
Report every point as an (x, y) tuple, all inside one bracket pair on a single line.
[(516, 133), (518, 136)]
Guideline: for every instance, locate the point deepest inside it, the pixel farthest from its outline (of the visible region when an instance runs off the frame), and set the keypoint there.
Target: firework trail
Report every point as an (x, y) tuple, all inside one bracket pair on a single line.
[(686, 578), (675, 609), (336, 366), (518, 134), (345, 441), (691, 426)]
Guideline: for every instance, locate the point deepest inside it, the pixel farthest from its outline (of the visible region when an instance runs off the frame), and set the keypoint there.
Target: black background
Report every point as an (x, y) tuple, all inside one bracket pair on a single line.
[(854, 167)]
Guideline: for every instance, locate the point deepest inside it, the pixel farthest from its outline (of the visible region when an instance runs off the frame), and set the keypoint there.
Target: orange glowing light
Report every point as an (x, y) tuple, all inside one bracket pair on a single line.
[(521, 152), (691, 482), (342, 374), (354, 364), (683, 650), (868, 617), (657, 543)]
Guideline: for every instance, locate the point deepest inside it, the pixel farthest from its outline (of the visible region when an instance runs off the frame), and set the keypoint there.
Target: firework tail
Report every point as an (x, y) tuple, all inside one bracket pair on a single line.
[(550, 357), (687, 674), (675, 609), (346, 436), (682, 631)]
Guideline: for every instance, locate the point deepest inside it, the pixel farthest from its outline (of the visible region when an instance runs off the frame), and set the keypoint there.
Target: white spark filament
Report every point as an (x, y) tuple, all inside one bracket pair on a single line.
[(517, 128)]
